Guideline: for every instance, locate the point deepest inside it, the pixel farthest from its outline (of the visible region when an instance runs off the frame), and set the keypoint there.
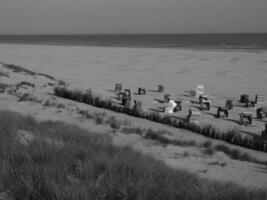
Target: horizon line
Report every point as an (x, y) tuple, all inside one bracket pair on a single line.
[(70, 34)]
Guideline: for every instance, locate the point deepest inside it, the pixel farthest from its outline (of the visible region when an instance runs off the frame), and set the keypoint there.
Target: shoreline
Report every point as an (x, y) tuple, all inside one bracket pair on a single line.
[(179, 47)]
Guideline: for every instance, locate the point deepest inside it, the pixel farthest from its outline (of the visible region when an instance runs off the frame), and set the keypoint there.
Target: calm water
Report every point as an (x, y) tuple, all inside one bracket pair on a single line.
[(201, 41)]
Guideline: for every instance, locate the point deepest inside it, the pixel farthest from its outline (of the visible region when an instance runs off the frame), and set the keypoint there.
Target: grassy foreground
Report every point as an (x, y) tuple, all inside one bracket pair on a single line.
[(60, 161)]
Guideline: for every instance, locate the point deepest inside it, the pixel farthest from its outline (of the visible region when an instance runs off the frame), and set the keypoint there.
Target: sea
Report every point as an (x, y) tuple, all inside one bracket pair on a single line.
[(255, 41)]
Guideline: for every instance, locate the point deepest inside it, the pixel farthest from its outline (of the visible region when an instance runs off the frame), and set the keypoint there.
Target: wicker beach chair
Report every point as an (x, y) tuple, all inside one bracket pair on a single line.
[(204, 102), (244, 98), (198, 91), (223, 110), (138, 107), (259, 99), (170, 107), (229, 104), (246, 118), (141, 91), (126, 98), (167, 98), (261, 112), (178, 106), (193, 116)]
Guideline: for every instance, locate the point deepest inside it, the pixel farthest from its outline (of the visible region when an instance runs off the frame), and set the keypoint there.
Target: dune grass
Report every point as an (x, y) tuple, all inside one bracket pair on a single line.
[(24, 83), (4, 74), (20, 69), (162, 137), (232, 136), (88, 166)]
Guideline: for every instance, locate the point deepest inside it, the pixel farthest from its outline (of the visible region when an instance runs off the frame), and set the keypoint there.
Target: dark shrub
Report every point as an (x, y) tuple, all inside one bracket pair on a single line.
[(27, 97), (3, 87), (25, 83), (166, 120), (3, 74), (209, 151), (207, 144), (114, 124), (61, 83), (223, 148)]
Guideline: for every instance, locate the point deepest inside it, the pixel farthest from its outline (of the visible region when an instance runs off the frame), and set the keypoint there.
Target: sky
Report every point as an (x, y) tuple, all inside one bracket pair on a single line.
[(132, 16)]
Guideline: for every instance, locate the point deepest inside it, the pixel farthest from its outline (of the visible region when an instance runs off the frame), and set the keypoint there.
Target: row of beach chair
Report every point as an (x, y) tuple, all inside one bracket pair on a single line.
[(205, 104)]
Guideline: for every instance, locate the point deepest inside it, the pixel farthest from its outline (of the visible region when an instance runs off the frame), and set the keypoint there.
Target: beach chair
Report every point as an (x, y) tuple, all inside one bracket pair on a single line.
[(259, 99), (170, 107), (141, 91), (261, 112), (198, 91), (128, 92), (246, 118), (229, 104), (244, 98), (160, 88), (138, 107), (167, 98), (118, 87), (193, 116), (250, 104), (204, 102), (178, 106), (126, 98), (223, 110)]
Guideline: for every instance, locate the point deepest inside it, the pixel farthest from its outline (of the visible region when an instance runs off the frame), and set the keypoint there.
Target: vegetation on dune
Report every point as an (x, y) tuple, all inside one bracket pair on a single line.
[(232, 136), (88, 166), (19, 69), (4, 74), (3, 87), (24, 83), (161, 136), (28, 97)]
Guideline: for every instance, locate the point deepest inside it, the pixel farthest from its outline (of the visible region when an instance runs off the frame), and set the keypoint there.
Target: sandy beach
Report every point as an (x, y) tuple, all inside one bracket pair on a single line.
[(224, 73)]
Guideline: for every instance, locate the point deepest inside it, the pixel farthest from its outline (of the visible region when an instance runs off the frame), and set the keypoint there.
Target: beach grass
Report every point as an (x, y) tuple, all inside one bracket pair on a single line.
[(232, 136), (54, 160)]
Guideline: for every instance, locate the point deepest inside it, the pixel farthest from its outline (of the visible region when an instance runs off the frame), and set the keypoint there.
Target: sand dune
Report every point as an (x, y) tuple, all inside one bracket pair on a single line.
[(224, 74)]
